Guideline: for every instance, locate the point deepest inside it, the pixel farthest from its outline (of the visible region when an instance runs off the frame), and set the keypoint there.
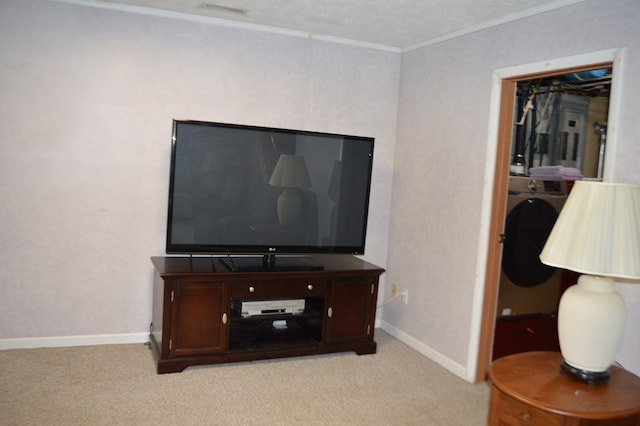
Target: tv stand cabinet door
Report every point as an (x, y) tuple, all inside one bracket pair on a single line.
[(199, 319), (351, 310)]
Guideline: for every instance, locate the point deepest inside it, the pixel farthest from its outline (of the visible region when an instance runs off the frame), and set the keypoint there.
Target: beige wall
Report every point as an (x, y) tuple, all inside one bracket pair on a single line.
[(88, 98), (439, 170)]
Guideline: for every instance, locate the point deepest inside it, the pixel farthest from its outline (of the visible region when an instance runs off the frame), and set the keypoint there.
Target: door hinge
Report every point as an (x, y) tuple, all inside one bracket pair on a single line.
[(368, 329), (169, 344), (373, 286)]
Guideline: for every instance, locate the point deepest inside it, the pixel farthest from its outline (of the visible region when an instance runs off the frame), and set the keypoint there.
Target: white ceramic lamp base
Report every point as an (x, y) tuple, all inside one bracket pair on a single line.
[(591, 320)]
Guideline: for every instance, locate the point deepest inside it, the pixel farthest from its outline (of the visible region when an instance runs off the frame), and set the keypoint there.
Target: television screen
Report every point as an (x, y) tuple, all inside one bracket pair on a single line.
[(253, 190)]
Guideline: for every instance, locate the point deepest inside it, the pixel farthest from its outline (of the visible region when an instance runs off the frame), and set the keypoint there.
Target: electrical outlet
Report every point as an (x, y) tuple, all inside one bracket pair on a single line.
[(405, 296), (394, 290)]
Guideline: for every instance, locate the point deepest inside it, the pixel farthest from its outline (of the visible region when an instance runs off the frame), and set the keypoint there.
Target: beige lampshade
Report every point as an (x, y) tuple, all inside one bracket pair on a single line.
[(598, 231), (290, 172)]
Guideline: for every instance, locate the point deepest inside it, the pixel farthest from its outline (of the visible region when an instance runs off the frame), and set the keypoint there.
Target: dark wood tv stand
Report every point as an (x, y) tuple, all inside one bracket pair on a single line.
[(197, 319)]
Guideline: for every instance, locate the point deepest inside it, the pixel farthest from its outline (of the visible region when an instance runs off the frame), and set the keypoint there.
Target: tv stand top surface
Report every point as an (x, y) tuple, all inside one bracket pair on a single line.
[(269, 263), (213, 266)]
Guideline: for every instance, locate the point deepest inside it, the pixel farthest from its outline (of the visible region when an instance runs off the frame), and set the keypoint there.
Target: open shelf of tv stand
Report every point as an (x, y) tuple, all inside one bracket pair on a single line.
[(263, 337), (194, 324)]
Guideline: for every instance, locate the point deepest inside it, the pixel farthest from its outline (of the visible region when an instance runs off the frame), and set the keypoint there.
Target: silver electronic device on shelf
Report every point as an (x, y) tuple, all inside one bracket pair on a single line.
[(272, 307)]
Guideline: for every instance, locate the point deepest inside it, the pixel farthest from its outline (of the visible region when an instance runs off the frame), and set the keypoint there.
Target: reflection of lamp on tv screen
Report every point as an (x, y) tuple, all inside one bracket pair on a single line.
[(290, 173), (262, 191)]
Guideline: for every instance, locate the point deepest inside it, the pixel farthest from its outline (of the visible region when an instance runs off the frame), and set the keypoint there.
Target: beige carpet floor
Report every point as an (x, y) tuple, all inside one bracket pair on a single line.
[(118, 385)]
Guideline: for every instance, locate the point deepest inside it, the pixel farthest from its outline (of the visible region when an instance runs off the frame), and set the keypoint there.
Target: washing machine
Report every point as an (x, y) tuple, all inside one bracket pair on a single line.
[(527, 286)]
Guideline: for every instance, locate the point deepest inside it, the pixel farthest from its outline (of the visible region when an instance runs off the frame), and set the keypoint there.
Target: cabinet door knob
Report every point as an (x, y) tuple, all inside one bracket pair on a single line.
[(252, 289), (525, 416), (329, 312), (224, 318), (309, 287)]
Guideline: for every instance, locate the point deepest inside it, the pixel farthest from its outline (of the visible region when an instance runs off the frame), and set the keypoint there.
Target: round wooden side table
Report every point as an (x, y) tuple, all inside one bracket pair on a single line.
[(529, 389)]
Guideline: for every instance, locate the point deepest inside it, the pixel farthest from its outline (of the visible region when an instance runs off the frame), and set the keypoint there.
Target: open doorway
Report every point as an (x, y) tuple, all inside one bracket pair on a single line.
[(558, 137), (499, 159)]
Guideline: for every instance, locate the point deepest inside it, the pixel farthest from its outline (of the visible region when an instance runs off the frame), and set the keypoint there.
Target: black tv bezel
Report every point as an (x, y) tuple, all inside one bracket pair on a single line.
[(266, 251)]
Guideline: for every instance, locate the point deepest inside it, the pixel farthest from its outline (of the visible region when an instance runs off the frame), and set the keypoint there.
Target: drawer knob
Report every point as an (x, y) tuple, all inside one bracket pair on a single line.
[(309, 287), (252, 289), (525, 416)]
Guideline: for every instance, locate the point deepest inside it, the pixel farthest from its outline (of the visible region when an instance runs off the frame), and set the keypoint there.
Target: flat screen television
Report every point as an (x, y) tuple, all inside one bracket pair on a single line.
[(249, 193)]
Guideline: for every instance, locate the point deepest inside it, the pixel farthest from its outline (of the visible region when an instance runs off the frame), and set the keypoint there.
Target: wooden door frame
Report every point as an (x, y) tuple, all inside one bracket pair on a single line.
[(496, 181)]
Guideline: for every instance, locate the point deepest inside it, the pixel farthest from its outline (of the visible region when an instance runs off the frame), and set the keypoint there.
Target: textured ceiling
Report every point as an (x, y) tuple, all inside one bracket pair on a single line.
[(396, 24)]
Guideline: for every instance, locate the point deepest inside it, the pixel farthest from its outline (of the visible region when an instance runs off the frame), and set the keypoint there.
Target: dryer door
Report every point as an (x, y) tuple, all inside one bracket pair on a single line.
[(526, 230)]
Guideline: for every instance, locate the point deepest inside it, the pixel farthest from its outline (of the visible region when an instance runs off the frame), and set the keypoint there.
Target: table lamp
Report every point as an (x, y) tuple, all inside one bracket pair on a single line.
[(291, 174), (598, 235)]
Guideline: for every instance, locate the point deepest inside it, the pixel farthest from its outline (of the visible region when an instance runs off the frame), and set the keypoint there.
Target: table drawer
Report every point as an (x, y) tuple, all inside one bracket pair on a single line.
[(279, 289), (507, 411)]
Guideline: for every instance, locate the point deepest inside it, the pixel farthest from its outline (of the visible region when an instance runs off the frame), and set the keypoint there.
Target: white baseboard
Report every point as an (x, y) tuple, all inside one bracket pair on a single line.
[(131, 338), (425, 350), (65, 341)]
